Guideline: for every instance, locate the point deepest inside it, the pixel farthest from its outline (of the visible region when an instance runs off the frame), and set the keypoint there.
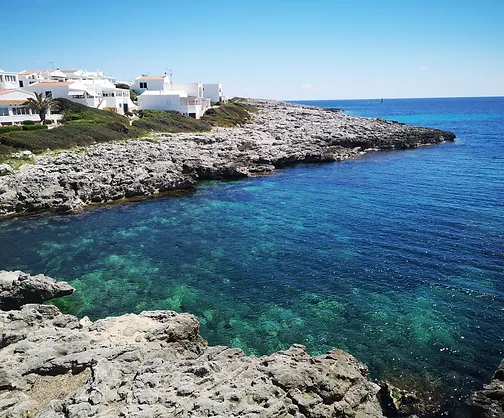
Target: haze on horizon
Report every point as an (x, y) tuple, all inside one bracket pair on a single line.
[(271, 49)]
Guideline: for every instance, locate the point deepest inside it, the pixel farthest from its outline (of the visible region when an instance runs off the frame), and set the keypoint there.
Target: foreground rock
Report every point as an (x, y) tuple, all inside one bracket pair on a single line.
[(18, 288), (281, 134), (489, 402), (157, 365)]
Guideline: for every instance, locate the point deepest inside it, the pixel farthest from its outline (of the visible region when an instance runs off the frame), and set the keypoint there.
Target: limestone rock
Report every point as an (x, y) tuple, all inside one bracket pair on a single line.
[(489, 402), (157, 364), (18, 288)]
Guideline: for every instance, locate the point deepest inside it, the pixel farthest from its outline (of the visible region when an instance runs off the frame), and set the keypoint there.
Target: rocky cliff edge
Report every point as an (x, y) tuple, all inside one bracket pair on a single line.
[(156, 364)]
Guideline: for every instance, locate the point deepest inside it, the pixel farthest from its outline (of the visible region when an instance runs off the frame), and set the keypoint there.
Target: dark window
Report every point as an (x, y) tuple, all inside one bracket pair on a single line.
[(48, 94), (20, 83), (143, 85)]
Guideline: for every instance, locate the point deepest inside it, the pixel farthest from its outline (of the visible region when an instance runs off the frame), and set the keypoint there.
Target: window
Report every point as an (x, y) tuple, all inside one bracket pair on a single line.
[(1, 78), (143, 85), (78, 96), (21, 83), (4, 111), (18, 111), (48, 94)]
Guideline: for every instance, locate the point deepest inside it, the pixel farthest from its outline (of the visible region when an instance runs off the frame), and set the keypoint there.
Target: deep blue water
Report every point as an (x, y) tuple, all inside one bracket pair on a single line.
[(397, 257)]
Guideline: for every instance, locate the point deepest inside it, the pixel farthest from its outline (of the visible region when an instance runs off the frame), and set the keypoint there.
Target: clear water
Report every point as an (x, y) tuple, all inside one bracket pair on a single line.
[(397, 257)]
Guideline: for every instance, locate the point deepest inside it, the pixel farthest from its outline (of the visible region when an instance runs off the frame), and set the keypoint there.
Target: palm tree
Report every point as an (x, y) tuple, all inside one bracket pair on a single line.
[(42, 105)]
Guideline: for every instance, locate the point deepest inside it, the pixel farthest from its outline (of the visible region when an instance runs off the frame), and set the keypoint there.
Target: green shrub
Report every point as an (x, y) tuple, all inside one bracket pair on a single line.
[(48, 122), (34, 127), (229, 114), (159, 121), (5, 129), (28, 122), (77, 121)]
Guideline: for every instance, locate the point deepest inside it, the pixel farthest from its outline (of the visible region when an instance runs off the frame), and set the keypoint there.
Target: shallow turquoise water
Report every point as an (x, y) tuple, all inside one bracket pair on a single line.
[(397, 257)]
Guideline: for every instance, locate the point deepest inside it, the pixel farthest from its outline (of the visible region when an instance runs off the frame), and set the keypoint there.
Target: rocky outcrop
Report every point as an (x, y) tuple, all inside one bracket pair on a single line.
[(156, 364), (18, 288), (281, 134), (489, 402)]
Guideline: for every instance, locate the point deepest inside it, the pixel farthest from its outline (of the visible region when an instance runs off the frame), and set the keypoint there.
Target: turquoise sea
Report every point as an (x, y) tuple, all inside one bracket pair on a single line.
[(396, 257)]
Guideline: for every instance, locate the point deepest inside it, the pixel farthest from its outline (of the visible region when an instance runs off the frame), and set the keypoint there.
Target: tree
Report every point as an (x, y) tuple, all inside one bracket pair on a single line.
[(42, 105)]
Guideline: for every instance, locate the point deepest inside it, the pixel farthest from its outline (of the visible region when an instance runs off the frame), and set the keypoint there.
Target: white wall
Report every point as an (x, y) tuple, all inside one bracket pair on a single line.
[(213, 92), (8, 80), (152, 83), (161, 101), (15, 119), (192, 89)]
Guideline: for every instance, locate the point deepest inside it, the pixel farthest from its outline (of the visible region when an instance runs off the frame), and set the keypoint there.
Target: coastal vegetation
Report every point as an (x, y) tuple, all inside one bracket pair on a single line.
[(83, 125)]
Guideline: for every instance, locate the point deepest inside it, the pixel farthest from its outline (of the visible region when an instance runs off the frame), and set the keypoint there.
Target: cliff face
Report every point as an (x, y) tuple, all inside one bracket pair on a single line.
[(281, 134), (157, 365)]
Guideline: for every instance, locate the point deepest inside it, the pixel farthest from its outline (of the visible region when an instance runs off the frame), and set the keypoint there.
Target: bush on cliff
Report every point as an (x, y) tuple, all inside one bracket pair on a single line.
[(159, 121), (229, 114)]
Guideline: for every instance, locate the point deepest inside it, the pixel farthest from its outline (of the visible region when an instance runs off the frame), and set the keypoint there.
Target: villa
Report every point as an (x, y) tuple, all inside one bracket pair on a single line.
[(12, 111), (190, 99)]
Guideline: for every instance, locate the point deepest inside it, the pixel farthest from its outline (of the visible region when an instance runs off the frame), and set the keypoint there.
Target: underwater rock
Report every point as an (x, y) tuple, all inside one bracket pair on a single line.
[(280, 134), (399, 403), (18, 288), (157, 364), (489, 402)]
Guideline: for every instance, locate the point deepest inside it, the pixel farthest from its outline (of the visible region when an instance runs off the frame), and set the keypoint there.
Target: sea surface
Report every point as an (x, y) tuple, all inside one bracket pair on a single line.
[(396, 257)]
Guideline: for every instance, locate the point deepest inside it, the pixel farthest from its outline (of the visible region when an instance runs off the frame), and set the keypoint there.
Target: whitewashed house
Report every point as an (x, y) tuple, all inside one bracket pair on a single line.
[(98, 93), (159, 93), (8, 80), (12, 111), (169, 101), (213, 92), (150, 82), (28, 77)]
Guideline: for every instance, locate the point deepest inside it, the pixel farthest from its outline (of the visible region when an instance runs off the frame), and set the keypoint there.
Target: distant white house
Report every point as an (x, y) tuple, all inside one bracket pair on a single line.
[(12, 111), (170, 101), (151, 82), (213, 92), (8, 80), (97, 93), (28, 77)]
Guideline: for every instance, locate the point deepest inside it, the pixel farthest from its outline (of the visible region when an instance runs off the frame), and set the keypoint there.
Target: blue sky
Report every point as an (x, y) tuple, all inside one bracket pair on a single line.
[(271, 48)]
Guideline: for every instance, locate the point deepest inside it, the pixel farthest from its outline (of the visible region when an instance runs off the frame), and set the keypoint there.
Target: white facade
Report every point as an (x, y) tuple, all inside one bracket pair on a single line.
[(154, 82), (213, 92), (98, 93), (170, 101), (192, 89), (12, 111), (8, 80), (173, 101)]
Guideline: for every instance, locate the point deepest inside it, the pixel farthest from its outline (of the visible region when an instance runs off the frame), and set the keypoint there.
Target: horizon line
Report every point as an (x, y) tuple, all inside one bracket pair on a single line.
[(396, 98)]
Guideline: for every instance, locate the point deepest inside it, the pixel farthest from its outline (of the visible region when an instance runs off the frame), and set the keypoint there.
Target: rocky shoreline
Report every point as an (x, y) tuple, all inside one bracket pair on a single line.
[(156, 364), (281, 134)]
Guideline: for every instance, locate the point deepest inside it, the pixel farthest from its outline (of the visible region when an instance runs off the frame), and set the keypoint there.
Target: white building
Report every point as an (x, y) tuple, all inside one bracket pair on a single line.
[(213, 92), (98, 93), (12, 111), (170, 101), (192, 89), (150, 82), (28, 77), (8, 80)]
